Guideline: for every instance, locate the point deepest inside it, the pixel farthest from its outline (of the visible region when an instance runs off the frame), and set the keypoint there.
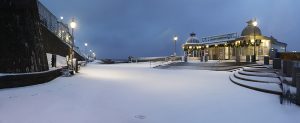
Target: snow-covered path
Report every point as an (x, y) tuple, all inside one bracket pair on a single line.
[(135, 93)]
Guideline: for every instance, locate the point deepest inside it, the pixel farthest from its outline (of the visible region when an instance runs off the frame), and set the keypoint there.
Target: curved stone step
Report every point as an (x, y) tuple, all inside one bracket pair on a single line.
[(249, 66), (270, 88), (257, 79), (237, 69), (260, 74), (257, 66), (264, 70)]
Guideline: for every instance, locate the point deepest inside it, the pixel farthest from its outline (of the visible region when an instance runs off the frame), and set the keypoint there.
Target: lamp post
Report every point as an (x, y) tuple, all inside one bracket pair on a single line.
[(73, 26), (254, 24), (175, 38), (90, 55), (85, 49), (94, 56)]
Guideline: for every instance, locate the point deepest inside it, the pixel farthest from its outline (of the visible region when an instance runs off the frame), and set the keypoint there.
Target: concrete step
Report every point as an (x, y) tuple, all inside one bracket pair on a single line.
[(271, 88), (264, 70), (257, 78), (259, 74)]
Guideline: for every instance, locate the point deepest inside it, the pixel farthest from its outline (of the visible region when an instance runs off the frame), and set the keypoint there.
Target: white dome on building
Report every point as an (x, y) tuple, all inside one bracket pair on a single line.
[(251, 30), (192, 39)]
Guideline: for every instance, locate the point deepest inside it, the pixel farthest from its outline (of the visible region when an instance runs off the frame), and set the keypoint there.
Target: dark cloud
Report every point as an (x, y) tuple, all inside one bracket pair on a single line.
[(119, 28)]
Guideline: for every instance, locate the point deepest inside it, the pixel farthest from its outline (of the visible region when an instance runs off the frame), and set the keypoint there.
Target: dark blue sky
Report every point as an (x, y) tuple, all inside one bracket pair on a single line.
[(119, 28)]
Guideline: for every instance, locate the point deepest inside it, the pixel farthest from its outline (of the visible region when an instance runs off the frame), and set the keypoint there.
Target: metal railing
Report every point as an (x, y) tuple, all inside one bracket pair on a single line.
[(60, 29)]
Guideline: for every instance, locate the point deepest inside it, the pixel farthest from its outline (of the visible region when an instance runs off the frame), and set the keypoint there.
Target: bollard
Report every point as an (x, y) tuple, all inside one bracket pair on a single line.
[(284, 67), (298, 88), (266, 60), (206, 59), (248, 58), (185, 59), (294, 75), (253, 58), (237, 59), (276, 63), (289, 69)]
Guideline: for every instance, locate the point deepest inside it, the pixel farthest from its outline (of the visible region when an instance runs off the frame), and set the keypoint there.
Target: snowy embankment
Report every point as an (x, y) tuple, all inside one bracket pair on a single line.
[(132, 93)]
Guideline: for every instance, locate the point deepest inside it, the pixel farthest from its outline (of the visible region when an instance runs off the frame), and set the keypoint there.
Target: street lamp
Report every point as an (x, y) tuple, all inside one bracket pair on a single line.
[(73, 26), (94, 55), (89, 54), (85, 48), (175, 38), (254, 24)]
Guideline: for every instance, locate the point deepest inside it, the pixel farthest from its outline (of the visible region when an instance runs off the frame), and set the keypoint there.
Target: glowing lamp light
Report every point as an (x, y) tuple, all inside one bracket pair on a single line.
[(73, 24), (175, 38), (252, 41), (61, 17), (86, 44), (254, 23)]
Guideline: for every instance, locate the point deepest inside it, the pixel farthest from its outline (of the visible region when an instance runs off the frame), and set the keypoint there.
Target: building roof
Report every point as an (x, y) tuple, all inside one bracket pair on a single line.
[(247, 34), (251, 30), (192, 39)]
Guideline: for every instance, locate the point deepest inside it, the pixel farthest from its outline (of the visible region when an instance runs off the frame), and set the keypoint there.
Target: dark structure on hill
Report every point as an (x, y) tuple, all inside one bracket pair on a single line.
[(28, 31)]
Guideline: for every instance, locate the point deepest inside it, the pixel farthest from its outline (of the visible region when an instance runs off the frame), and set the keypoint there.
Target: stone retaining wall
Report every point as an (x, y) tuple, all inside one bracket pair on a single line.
[(20, 80)]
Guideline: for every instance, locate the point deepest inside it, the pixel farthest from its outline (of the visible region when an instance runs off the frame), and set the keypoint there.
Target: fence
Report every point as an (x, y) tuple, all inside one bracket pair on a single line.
[(51, 22), (57, 27)]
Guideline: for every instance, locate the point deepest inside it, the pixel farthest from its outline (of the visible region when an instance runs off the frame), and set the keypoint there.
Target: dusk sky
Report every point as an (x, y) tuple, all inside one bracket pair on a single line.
[(119, 28)]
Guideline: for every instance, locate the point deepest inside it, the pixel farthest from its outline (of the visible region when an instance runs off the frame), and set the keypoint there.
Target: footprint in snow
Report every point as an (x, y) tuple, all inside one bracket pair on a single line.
[(34, 94), (11, 97), (140, 117)]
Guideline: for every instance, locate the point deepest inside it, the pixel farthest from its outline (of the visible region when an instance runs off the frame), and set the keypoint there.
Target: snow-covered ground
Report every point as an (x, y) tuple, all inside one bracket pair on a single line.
[(136, 93)]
